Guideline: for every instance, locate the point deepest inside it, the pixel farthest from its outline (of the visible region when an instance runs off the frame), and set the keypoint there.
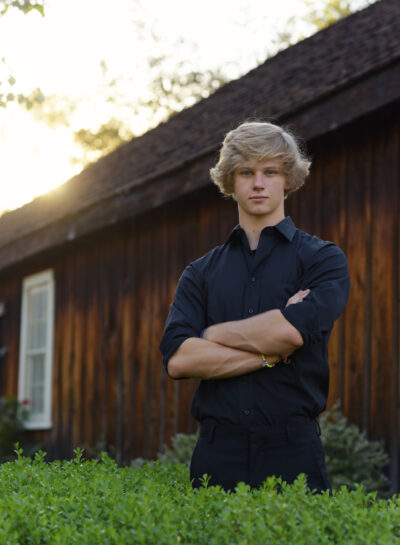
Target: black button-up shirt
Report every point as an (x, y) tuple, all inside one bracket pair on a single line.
[(231, 283)]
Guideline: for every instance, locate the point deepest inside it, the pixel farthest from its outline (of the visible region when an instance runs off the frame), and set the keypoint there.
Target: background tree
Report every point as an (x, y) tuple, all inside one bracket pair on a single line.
[(7, 80), (168, 94), (172, 91), (324, 14), (320, 14), (170, 88), (23, 5)]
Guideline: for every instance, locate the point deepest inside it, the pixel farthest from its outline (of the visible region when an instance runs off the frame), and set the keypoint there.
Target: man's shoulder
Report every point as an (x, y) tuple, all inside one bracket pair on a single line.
[(203, 263), (311, 241), (310, 246)]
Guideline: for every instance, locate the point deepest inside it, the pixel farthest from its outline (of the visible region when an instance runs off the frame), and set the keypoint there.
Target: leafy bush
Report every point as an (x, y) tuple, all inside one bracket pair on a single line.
[(94, 451), (182, 448), (351, 459), (12, 417), (84, 502)]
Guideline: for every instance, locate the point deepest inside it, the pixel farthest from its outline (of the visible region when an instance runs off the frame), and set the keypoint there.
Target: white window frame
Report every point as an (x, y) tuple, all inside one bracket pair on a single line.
[(42, 279)]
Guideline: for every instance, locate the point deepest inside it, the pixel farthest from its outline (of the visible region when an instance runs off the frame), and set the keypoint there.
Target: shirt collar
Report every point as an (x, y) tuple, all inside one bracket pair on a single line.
[(286, 227)]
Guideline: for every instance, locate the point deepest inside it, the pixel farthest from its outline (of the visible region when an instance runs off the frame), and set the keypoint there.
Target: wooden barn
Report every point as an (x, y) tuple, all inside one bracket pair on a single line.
[(88, 271)]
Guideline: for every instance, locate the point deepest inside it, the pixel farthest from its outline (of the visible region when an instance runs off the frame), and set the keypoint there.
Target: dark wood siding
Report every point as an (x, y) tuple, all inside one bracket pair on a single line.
[(353, 199), (113, 292)]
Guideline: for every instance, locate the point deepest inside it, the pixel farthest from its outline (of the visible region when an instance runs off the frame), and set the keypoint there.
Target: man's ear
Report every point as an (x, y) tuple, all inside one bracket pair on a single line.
[(286, 189)]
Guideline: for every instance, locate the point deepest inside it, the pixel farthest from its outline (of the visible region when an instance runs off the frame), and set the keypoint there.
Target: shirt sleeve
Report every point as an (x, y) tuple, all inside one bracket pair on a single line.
[(186, 316), (328, 279)]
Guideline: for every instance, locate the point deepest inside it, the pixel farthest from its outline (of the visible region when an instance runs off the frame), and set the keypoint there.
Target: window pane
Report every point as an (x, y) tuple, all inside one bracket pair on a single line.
[(38, 296), (37, 363), (37, 318), (41, 333), (37, 403), (36, 369), (42, 304)]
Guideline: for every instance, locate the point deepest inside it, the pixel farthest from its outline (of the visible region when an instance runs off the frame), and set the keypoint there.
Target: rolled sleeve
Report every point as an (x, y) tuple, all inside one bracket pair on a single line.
[(328, 279), (186, 316)]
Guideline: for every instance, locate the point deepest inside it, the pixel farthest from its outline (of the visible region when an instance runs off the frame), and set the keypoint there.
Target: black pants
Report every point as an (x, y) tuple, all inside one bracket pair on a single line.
[(230, 454)]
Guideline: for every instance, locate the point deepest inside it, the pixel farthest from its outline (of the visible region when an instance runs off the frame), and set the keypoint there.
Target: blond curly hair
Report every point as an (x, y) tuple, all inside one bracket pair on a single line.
[(260, 140)]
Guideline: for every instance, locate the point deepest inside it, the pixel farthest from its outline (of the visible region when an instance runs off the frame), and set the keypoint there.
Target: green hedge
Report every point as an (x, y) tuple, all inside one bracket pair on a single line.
[(96, 502)]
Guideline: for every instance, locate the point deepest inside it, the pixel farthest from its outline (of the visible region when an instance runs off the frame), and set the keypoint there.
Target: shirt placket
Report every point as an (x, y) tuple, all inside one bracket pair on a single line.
[(255, 266)]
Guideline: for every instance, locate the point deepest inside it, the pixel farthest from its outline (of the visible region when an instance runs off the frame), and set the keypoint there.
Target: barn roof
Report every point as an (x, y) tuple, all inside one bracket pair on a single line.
[(327, 80)]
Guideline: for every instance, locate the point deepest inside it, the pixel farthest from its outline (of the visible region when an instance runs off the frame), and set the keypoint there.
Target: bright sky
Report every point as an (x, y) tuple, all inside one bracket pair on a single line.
[(62, 53)]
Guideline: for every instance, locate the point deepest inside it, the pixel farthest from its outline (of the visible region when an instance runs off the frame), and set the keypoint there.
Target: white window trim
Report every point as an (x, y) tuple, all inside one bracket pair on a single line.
[(45, 277)]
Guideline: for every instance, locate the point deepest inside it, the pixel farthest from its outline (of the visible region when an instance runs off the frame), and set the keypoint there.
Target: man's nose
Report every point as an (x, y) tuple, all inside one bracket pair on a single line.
[(258, 179)]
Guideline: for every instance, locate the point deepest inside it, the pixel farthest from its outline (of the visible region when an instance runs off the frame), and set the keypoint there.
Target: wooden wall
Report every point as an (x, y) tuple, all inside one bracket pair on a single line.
[(354, 200), (113, 293)]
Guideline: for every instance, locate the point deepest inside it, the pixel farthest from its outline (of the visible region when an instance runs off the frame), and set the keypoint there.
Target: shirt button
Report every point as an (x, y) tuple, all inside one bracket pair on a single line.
[(253, 278), (246, 412), (251, 311)]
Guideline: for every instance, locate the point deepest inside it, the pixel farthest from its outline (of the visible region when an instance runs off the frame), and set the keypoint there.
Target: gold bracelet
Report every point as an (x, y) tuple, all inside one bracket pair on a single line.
[(264, 362)]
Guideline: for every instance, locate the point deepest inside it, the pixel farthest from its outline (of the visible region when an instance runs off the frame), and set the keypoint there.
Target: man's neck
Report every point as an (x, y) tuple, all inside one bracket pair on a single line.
[(254, 227)]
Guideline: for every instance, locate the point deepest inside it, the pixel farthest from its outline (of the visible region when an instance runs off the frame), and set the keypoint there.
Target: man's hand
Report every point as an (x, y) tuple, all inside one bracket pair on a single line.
[(297, 297)]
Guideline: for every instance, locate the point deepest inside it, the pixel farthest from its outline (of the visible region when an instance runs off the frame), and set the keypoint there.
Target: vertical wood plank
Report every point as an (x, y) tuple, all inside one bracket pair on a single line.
[(90, 433), (11, 294), (331, 173), (128, 339), (154, 383), (395, 423), (382, 312), (175, 269), (356, 357), (79, 342)]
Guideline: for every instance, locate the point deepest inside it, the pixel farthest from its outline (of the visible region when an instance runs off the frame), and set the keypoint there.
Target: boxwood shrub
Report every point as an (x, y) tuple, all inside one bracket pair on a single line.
[(96, 502)]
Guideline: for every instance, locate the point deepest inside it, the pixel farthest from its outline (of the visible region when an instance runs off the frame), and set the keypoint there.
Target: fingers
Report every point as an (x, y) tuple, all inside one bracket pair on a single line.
[(302, 293), (297, 297)]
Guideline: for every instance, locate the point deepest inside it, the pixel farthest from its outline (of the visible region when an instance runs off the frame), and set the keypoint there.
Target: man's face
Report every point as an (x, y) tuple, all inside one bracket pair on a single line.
[(259, 190)]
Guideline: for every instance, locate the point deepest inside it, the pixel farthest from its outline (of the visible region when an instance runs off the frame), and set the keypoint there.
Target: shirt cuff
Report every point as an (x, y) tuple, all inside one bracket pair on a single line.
[(304, 318)]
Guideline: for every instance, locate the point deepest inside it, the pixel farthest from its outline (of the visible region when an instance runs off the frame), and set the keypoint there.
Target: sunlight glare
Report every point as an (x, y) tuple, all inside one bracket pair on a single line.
[(45, 162), (62, 54)]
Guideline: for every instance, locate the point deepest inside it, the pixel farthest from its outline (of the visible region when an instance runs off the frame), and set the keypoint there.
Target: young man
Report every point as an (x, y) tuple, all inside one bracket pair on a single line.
[(252, 320)]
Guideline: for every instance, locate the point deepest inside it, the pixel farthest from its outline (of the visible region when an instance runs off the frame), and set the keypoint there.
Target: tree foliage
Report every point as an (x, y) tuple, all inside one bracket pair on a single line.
[(172, 91), (168, 92), (95, 143), (320, 14), (23, 5), (170, 88), (8, 81)]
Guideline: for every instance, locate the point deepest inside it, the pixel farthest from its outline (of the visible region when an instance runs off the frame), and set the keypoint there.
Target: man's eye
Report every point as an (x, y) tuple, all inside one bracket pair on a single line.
[(271, 172), (245, 172)]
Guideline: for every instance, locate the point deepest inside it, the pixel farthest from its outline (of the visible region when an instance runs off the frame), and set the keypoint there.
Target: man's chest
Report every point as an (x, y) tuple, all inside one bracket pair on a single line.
[(241, 286)]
